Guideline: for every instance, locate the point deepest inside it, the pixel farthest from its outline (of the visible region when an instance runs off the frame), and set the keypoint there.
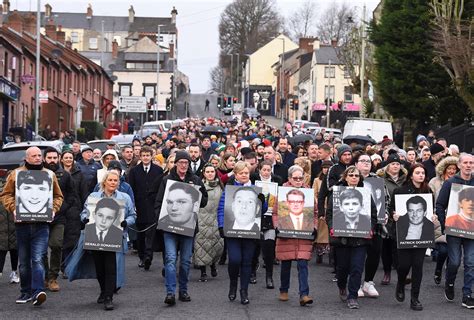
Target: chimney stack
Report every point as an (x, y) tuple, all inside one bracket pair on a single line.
[(47, 10), (334, 42), (15, 21), (316, 44), (131, 15), (174, 13), (306, 44), (114, 49), (50, 29), (6, 7), (68, 43), (89, 12), (29, 23), (61, 35)]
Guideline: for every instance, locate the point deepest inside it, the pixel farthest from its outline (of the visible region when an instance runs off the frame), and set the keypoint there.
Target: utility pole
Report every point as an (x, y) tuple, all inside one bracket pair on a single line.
[(38, 65), (157, 93), (362, 63), (328, 98), (282, 104), (237, 78)]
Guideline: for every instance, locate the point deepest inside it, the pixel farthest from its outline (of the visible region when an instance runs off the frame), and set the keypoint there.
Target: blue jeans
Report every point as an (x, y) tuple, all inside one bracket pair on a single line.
[(454, 261), (302, 266), (185, 245), (32, 242), (350, 263), (240, 253)]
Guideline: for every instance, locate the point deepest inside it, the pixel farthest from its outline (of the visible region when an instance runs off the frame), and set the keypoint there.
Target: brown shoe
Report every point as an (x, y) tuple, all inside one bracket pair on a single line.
[(53, 285), (283, 296), (305, 300)]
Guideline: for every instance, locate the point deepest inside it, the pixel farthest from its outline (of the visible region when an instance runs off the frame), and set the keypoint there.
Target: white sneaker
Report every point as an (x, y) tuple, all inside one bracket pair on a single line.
[(360, 293), (369, 290), (14, 277)]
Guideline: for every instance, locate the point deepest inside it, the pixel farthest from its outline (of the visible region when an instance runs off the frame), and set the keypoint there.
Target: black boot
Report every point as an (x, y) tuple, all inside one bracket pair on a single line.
[(400, 292), (270, 284), (213, 270), (415, 304), (244, 296), (253, 277), (232, 291), (203, 274)]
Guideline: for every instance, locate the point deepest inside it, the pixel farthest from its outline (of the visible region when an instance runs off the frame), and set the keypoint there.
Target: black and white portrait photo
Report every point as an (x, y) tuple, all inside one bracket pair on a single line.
[(415, 227), (351, 216), (242, 212), (295, 213), (103, 232), (181, 205), (377, 189), (460, 212), (34, 196)]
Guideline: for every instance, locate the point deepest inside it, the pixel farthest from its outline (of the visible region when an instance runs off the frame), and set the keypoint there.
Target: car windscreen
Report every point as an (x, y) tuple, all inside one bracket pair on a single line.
[(98, 145)]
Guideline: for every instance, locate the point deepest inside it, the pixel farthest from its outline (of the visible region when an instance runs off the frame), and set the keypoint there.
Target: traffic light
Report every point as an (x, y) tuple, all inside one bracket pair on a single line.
[(169, 104), (235, 100), (295, 104), (291, 104), (172, 83), (219, 102)]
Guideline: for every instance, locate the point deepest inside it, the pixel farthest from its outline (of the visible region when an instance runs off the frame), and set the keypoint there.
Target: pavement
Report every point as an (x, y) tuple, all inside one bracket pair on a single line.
[(144, 293)]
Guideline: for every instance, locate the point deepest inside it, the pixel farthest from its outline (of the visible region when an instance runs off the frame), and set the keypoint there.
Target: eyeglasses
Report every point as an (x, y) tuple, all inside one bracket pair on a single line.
[(297, 178), (364, 161), (184, 162), (353, 175), (295, 201)]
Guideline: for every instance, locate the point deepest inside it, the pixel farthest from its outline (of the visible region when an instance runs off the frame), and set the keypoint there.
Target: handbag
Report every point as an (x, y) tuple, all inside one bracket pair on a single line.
[(323, 232)]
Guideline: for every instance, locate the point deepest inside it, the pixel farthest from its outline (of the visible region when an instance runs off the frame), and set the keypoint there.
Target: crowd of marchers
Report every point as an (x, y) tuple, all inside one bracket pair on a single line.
[(247, 152)]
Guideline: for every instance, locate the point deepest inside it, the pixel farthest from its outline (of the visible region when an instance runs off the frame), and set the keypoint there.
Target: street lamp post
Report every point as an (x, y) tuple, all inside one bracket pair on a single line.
[(362, 64), (38, 61), (328, 97), (282, 66), (157, 93)]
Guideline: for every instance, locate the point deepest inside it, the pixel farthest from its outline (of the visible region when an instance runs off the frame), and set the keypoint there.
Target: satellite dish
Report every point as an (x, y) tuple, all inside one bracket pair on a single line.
[(112, 66), (113, 78), (57, 53), (303, 91)]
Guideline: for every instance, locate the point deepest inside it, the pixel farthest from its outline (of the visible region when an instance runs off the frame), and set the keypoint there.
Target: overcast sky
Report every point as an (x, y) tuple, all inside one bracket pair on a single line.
[(197, 23)]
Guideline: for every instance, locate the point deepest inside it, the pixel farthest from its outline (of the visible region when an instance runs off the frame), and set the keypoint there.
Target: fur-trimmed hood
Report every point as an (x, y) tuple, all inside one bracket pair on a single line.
[(443, 164), (382, 171)]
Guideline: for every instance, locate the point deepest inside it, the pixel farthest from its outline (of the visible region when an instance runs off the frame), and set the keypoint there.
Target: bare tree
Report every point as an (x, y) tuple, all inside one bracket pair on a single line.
[(301, 22), (216, 79), (452, 45), (336, 22), (247, 25)]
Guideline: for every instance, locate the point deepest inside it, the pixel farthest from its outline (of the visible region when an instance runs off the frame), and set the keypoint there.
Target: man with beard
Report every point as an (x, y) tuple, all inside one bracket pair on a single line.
[(196, 161), (128, 161), (56, 228)]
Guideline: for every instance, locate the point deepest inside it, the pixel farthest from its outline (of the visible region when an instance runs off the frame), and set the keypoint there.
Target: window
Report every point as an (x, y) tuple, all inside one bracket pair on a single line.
[(75, 37), (93, 44), (348, 93), (141, 65), (329, 72), (125, 89), (346, 73), (149, 91), (119, 40), (331, 92)]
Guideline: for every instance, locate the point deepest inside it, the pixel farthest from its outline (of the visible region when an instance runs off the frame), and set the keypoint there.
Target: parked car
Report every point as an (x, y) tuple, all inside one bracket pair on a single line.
[(123, 139), (375, 128), (227, 110), (336, 132), (13, 154), (155, 126), (102, 145)]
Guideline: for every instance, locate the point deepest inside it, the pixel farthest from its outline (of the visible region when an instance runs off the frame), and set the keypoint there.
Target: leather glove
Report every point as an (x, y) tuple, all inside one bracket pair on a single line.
[(221, 232), (124, 224), (314, 233), (83, 223), (261, 197), (277, 231)]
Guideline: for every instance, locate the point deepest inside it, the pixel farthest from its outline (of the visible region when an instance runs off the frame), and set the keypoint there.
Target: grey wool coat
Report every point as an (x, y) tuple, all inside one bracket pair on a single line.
[(208, 245)]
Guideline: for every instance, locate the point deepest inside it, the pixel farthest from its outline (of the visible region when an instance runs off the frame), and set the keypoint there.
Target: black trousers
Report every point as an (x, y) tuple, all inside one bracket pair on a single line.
[(411, 259), (256, 256), (389, 254), (373, 258), (268, 253), (13, 259), (145, 241), (105, 268)]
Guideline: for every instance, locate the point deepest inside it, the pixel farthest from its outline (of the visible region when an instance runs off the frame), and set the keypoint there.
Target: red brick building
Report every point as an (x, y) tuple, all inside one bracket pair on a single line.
[(78, 89)]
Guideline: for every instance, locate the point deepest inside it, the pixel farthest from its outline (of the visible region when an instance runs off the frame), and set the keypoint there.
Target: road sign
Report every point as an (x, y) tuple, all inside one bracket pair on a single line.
[(43, 96), (132, 104)]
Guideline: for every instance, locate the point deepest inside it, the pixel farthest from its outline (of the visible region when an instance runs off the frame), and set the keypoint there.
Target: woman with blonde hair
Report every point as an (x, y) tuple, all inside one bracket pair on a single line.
[(169, 164), (226, 167), (305, 163)]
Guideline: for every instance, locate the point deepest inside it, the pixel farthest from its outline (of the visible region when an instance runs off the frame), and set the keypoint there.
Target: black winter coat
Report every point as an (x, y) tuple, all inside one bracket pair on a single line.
[(7, 230), (145, 187), (71, 201)]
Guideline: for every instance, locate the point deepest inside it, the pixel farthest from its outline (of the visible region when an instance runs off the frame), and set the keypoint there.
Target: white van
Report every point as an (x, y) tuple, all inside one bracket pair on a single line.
[(375, 128), (155, 126)]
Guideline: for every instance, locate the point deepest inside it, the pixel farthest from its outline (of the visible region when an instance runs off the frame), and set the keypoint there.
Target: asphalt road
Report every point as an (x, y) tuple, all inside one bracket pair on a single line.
[(197, 102), (143, 296)]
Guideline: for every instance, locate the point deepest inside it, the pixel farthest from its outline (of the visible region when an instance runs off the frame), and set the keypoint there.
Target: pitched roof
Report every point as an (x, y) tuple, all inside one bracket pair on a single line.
[(326, 53), (150, 24)]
